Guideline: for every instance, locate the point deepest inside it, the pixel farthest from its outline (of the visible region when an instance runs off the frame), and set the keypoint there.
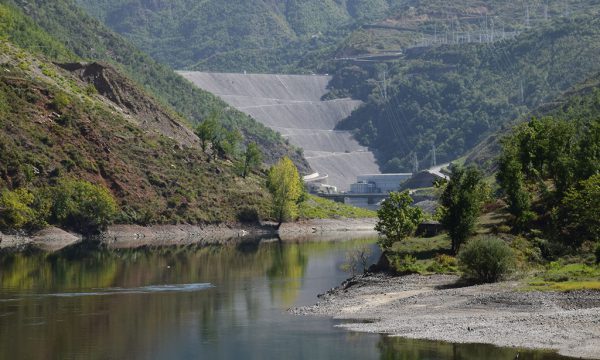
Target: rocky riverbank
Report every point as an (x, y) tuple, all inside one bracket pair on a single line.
[(132, 236), (432, 307)]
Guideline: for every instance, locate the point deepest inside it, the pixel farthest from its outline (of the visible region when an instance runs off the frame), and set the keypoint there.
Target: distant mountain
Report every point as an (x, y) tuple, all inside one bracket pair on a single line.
[(77, 36), (429, 22), (233, 35), (453, 96)]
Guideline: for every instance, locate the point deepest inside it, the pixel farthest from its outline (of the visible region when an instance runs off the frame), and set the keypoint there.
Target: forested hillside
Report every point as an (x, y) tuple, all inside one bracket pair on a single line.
[(582, 101), (76, 35), (232, 35), (452, 96)]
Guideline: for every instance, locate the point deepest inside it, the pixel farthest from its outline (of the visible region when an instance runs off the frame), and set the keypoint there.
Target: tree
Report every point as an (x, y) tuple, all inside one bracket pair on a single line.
[(15, 209), (461, 203), (252, 158), (397, 219), (286, 187), (512, 180), (207, 130), (226, 143), (579, 211), (83, 206)]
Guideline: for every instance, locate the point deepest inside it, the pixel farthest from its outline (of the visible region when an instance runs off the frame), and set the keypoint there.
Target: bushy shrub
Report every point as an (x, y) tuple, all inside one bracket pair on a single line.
[(486, 259), (83, 206), (597, 253), (15, 209), (443, 264), (406, 264)]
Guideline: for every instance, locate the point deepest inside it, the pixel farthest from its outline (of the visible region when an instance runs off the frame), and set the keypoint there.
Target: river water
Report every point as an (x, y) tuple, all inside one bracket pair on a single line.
[(219, 302)]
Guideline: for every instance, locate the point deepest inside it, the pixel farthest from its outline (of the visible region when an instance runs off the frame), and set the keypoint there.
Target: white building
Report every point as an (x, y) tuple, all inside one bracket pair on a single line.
[(379, 183)]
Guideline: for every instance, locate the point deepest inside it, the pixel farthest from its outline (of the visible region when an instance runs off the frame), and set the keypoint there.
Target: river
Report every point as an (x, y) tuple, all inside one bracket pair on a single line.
[(218, 302)]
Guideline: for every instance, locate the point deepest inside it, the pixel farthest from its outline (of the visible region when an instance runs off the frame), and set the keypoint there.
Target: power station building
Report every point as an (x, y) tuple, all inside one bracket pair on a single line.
[(378, 183)]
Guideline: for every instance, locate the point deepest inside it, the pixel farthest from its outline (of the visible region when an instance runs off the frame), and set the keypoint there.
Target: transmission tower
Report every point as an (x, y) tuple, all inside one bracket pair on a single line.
[(416, 165), (383, 87), (433, 156)]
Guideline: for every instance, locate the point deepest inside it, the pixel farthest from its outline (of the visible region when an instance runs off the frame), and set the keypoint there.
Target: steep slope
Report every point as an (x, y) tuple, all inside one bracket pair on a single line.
[(292, 105), (76, 36), (93, 123), (582, 101), (453, 96), (232, 35)]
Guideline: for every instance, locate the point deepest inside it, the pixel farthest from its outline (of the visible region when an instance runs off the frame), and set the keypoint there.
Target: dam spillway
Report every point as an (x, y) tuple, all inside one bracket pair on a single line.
[(292, 106)]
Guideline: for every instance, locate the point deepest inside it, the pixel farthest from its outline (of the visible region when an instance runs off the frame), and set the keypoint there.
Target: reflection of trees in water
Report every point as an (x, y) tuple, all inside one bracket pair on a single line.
[(395, 348), (286, 272), (111, 326)]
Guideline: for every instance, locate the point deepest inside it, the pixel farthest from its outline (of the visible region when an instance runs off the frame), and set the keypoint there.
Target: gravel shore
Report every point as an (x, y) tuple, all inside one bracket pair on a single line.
[(433, 308)]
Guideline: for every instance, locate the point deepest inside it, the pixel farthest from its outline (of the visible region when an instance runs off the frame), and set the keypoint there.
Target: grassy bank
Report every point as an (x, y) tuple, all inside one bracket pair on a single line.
[(315, 207)]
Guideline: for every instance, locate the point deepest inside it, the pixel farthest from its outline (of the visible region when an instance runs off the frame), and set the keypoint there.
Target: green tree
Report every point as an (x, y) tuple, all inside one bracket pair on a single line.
[(579, 209), (252, 158), (397, 219), (207, 130), (227, 143), (512, 180), (461, 203), (15, 209), (286, 187), (83, 206)]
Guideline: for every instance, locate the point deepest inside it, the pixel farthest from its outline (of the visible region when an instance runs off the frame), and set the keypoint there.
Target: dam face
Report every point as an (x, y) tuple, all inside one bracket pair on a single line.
[(291, 105)]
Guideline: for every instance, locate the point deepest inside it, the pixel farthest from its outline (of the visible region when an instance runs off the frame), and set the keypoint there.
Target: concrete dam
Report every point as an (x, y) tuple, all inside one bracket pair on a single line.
[(292, 106)]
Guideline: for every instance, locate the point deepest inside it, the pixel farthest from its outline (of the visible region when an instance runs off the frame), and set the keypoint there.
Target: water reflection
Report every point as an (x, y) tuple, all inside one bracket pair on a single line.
[(395, 348), (179, 303)]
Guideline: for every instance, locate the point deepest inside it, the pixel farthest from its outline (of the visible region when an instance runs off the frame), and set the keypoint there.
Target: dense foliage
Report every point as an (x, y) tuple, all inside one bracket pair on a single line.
[(82, 206), (549, 170), (233, 35), (485, 259), (451, 97), (461, 203), (398, 219), (72, 204)]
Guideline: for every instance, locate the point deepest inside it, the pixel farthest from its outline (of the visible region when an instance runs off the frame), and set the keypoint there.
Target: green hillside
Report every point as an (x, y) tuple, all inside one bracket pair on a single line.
[(582, 101), (453, 96), (56, 127), (75, 35), (231, 35)]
